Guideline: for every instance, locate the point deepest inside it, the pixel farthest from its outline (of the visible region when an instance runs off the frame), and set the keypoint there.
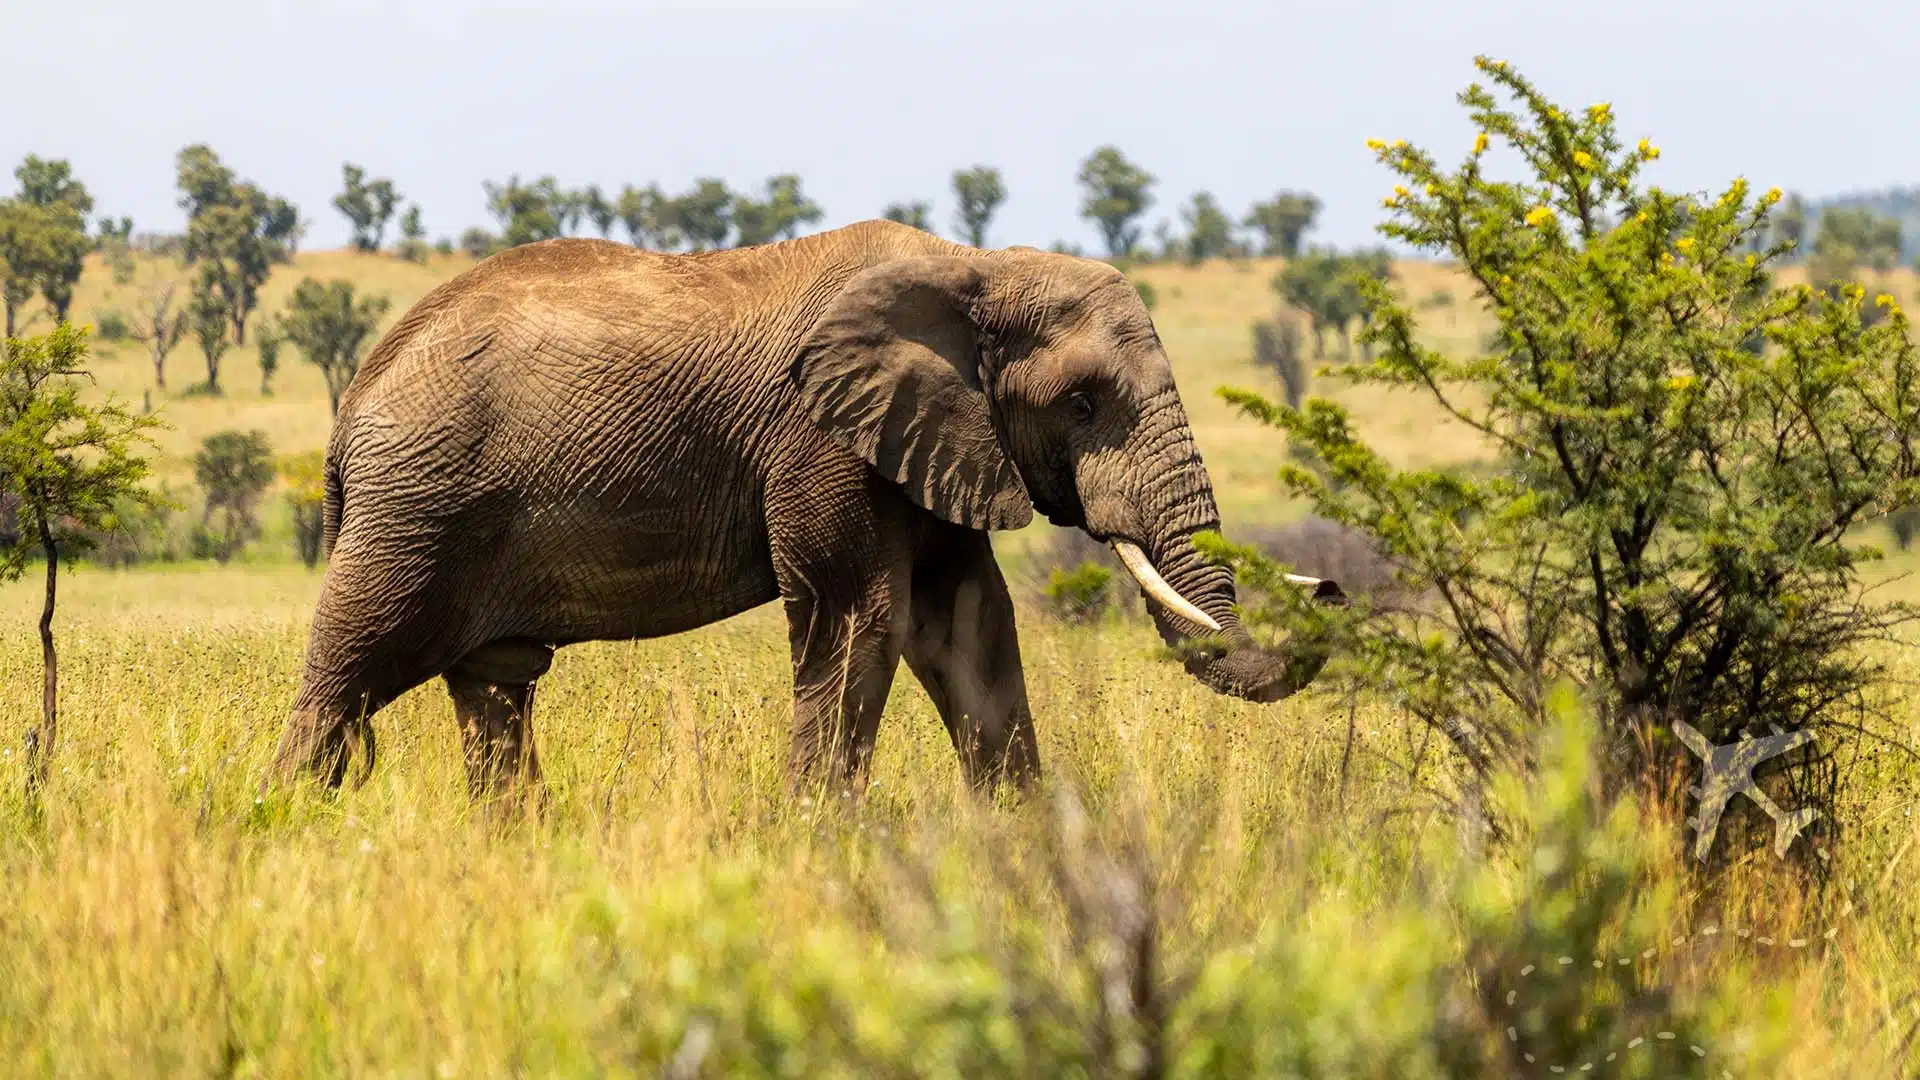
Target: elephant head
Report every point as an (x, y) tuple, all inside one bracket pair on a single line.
[(991, 384)]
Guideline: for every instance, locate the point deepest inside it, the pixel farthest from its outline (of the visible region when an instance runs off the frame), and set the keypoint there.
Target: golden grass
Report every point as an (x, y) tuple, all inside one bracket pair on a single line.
[(163, 923)]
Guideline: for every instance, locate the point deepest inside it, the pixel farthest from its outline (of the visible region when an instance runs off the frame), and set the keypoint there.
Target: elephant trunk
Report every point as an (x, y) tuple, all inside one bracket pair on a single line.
[(1201, 604)]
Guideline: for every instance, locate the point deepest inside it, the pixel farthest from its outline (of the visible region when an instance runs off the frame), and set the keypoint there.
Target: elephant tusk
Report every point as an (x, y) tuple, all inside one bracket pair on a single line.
[(1156, 586)]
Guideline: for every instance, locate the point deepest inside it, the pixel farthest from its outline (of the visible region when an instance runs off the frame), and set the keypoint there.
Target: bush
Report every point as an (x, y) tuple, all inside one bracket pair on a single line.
[(305, 475), (112, 326), (141, 532), (478, 243), (1081, 594), (1667, 518)]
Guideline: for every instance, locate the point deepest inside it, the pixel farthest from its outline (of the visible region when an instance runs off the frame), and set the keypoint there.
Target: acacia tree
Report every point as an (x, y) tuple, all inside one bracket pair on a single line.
[(1670, 514), (1117, 192), (159, 327), (66, 465), (60, 204), (330, 326), (979, 193), (236, 231), (1209, 230), (778, 216), (367, 205), (917, 214), (1283, 221), (208, 316), (233, 469)]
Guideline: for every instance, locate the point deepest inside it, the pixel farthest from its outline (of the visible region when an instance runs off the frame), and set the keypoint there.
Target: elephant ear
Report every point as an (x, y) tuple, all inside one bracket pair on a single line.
[(894, 370)]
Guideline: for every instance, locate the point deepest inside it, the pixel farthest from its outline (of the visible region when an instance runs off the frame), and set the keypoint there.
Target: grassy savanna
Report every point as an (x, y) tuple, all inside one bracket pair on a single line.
[(677, 912), (162, 922)]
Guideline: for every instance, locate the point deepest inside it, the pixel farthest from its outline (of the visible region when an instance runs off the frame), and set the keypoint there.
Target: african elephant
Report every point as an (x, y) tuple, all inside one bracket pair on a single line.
[(579, 440)]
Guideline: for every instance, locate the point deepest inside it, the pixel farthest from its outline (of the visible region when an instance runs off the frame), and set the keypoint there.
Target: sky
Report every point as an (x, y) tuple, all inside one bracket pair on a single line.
[(872, 102)]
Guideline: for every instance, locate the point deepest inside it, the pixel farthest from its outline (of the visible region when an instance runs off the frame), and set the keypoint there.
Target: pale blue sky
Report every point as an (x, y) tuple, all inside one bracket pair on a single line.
[(873, 101)]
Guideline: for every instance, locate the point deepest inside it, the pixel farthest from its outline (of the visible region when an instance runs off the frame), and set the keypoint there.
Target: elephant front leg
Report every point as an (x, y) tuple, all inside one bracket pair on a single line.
[(844, 657), (964, 649)]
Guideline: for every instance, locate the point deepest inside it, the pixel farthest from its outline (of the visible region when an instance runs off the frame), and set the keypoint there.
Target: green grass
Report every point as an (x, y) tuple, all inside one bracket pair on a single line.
[(160, 921)]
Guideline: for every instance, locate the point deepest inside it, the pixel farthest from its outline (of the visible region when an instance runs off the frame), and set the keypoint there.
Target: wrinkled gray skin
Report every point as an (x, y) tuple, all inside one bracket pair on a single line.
[(578, 440)]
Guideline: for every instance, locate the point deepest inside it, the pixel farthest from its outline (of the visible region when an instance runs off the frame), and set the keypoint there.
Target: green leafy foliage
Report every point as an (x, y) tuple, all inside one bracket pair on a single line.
[(235, 231), (1283, 221), (917, 214), (68, 467), (1115, 192), (701, 218), (208, 315), (305, 477), (978, 193), (368, 205), (331, 325), (233, 469), (1209, 229), (1668, 516), (1080, 594), (527, 213), (778, 215), (413, 236)]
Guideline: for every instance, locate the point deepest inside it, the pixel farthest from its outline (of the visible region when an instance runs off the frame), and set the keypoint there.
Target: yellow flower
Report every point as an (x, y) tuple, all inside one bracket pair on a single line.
[(1376, 145), (1539, 216), (1480, 143), (1680, 382), (1399, 191), (1685, 244), (1600, 111), (1648, 150), (1751, 259), (1641, 217), (1389, 203), (1398, 144), (1506, 279), (1772, 196), (1666, 258), (1583, 159), (1553, 113), (1883, 300), (1433, 189)]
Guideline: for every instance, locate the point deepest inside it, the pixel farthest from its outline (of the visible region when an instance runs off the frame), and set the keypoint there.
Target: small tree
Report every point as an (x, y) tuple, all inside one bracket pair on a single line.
[(413, 236), (1117, 192), (233, 469), (305, 475), (268, 337), (600, 210), (208, 315), (65, 465), (1276, 347), (978, 193), (330, 326), (367, 206), (1283, 220), (1670, 515), (1209, 230), (527, 213), (642, 212), (703, 217), (917, 214), (159, 327)]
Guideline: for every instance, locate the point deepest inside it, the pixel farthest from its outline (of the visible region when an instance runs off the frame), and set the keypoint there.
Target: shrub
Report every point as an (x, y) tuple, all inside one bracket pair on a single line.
[(305, 475), (142, 531), (478, 242), (112, 326), (1669, 513), (1081, 594)]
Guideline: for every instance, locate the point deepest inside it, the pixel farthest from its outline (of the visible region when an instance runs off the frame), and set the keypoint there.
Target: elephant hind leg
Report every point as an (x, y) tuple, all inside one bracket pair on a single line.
[(492, 690)]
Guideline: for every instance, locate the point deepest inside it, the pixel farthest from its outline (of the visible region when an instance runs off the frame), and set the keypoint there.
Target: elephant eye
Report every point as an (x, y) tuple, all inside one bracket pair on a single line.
[(1081, 404)]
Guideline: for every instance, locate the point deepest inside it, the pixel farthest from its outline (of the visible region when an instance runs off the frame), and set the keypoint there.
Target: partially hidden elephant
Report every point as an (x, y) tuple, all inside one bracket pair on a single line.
[(580, 440)]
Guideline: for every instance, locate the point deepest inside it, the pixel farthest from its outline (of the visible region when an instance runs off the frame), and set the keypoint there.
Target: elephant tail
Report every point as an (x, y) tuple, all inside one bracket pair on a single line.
[(330, 510)]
